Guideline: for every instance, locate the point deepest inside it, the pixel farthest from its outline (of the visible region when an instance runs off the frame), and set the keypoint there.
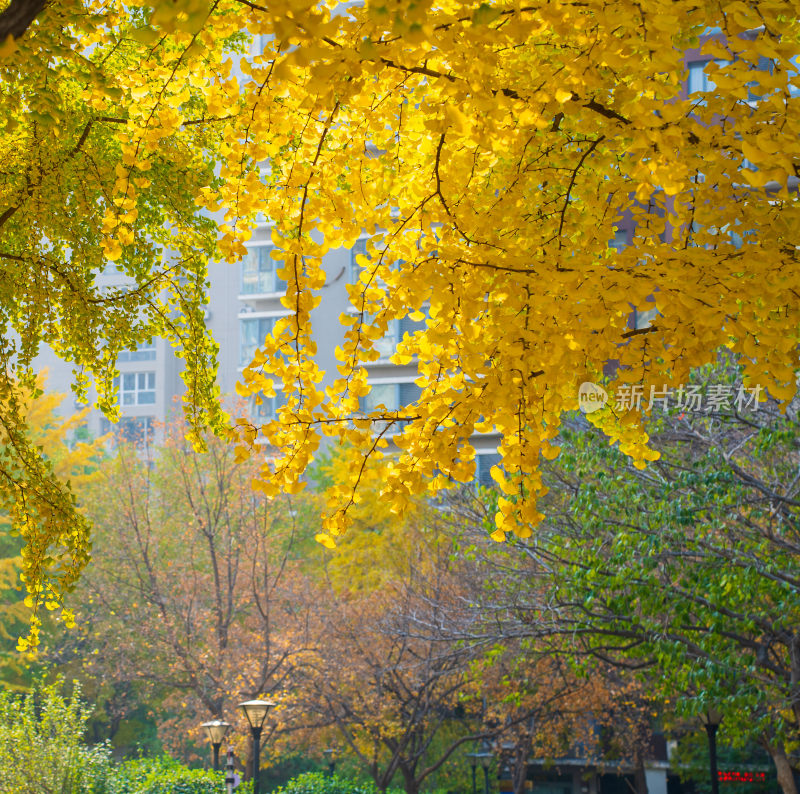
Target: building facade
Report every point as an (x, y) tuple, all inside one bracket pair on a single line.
[(244, 302)]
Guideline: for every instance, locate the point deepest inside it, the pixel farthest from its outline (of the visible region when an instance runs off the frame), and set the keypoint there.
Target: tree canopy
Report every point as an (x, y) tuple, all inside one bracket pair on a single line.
[(88, 145), (683, 573), (20, 554), (491, 149)]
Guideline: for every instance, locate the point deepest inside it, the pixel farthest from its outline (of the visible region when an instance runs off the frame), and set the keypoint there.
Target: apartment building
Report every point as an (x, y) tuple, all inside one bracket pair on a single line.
[(244, 304)]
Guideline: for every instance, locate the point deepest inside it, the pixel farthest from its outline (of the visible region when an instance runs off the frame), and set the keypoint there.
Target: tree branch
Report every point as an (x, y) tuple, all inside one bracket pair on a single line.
[(18, 16)]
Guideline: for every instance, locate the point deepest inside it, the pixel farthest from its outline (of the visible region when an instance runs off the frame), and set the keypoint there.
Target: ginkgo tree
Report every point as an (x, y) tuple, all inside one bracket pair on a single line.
[(99, 172), (491, 149)]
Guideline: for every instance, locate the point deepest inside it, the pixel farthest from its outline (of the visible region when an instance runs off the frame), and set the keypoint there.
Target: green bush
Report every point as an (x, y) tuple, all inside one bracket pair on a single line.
[(322, 783), (166, 776), (42, 748)]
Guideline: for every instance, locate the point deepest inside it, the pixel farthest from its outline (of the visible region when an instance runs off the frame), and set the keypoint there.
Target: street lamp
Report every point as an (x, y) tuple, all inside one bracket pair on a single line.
[(484, 758), (256, 713), (216, 730), (473, 764), (711, 719), (330, 758)]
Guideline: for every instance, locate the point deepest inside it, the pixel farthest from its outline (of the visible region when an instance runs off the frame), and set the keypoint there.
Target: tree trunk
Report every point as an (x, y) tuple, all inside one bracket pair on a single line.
[(640, 777), (520, 771), (783, 768), (410, 782), (247, 771)]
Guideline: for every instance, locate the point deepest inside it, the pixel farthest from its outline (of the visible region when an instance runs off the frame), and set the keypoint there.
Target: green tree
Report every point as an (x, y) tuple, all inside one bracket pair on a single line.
[(687, 570)]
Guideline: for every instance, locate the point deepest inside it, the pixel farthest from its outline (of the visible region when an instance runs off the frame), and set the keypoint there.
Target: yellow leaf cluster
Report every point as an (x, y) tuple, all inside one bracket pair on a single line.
[(491, 149), (494, 150)]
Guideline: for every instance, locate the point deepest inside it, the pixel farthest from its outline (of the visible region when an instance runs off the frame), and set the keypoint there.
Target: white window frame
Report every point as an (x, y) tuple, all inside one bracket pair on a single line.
[(246, 316), (277, 285), (144, 383), (143, 352)]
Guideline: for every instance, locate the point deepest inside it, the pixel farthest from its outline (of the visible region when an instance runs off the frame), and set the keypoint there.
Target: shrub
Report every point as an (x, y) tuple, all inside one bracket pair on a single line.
[(41, 744), (321, 783), (42, 750), (166, 776)]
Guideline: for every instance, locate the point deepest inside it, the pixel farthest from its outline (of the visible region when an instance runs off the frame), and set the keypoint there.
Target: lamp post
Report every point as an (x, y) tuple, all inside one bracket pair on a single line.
[(330, 757), (216, 730), (256, 713), (473, 765), (484, 758), (711, 720)]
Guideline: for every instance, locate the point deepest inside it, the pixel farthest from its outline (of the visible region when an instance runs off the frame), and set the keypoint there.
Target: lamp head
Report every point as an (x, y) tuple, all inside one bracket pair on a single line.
[(256, 712), (216, 730)]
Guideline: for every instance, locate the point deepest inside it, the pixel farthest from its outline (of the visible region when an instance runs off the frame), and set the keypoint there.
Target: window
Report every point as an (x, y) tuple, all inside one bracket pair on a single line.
[(644, 318), (252, 333), (390, 396), (794, 77), (381, 395), (81, 434), (265, 409), (144, 352), (693, 233), (259, 275), (137, 388), (136, 429), (395, 331), (712, 237), (133, 429), (737, 241), (406, 325), (359, 249), (483, 466), (754, 92), (387, 344), (619, 240), (699, 81)]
